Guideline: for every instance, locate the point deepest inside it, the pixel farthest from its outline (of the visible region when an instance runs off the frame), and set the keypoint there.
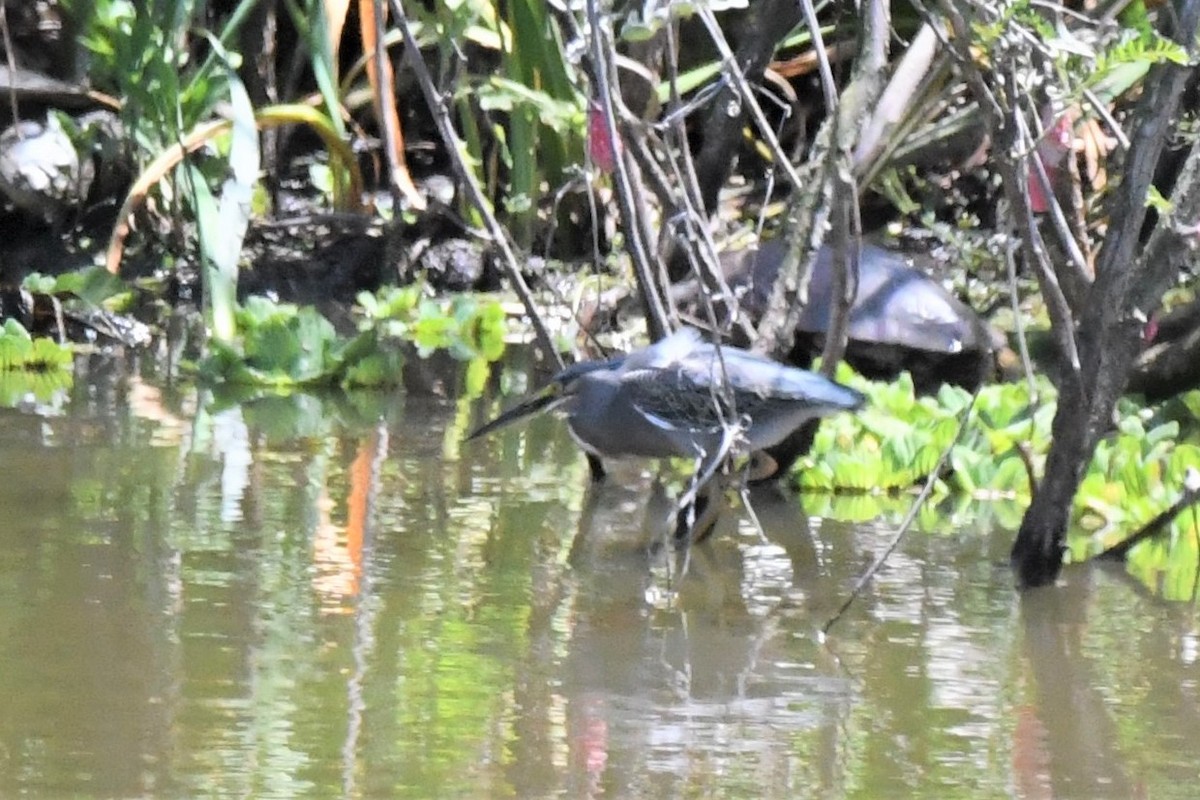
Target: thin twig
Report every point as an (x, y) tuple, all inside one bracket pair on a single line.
[(12, 67), (1066, 238), (851, 117), (1018, 318), (707, 467), (744, 493), (1196, 541), (732, 70), (628, 196), (1102, 111), (909, 518), (828, 167), (1015, 177), (847, 258), (679, 112), (828, 88), (1191, 493), (701, 248)]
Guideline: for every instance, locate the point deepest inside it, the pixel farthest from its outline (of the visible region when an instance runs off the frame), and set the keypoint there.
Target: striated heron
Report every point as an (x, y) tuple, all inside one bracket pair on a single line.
[(682, 397)]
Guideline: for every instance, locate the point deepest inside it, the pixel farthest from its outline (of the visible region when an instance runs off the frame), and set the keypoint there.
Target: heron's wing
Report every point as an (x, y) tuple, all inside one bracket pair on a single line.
[(665, 352), (674, 397), (754, 377), (689, 384)]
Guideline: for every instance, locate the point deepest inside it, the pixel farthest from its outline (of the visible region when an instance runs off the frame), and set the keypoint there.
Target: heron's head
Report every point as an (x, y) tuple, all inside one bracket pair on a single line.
[(561, 389)]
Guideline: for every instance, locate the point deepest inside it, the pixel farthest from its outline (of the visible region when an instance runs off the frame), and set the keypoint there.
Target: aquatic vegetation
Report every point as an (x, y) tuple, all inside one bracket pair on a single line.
[(281, 345), (470, 327), (38, 367), (1137, 472)]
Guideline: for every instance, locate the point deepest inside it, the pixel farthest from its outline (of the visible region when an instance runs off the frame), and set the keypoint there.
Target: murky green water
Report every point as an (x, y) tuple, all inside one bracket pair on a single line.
[(290, 599)]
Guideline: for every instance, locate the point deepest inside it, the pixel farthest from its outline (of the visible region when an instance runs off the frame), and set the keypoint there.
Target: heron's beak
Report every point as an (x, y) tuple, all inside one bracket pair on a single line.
[(547, 398)]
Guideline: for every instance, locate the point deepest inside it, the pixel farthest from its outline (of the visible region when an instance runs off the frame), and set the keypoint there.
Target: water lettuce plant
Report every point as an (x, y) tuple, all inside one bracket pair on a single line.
[(1137, 472), (284, 346)]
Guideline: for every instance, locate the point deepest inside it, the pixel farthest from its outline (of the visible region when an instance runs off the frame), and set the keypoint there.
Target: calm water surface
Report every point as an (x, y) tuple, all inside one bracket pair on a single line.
[(336, 598)]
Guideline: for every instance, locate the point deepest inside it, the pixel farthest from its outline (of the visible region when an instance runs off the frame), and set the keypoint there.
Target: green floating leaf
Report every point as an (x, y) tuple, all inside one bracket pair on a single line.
[(283, 345), (468, 326), (19, 352), (1167, 432), (14, 352), (48, 355), (280, 345), (380, 367), (17, 386)]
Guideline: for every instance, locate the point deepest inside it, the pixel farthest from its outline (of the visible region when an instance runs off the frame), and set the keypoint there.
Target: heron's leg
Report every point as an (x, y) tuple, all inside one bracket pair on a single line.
[(708, 467), (709, 505), (699, 510), (596, 466), (691, 504), (685, 520)]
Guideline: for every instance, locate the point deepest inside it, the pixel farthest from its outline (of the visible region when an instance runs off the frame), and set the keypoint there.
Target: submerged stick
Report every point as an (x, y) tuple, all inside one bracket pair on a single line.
[(1191, 493), (908, 520)]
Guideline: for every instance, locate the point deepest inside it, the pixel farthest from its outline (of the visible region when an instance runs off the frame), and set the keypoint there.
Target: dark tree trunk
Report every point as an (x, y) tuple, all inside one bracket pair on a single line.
[(1127, 290), (1084, 415)]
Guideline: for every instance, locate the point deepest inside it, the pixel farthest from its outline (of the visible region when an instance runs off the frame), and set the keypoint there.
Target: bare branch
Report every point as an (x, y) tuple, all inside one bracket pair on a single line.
[(454, 147), (625, 174)]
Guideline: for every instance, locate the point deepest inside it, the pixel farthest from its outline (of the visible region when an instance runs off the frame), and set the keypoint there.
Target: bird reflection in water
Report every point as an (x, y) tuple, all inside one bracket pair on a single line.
[(655, 655)]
